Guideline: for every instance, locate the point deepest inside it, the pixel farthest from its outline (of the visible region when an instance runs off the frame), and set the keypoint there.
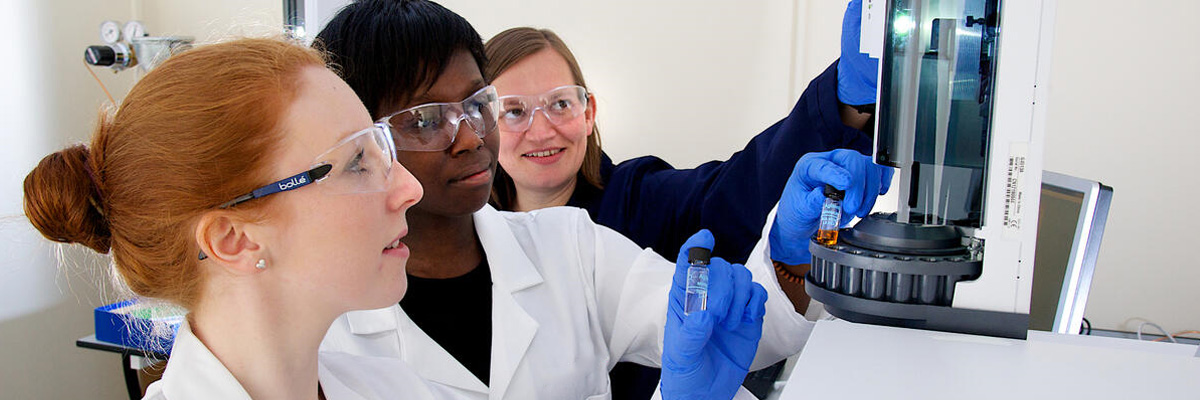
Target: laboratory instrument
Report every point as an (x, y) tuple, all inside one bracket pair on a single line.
[(131, 46), (965, 127)]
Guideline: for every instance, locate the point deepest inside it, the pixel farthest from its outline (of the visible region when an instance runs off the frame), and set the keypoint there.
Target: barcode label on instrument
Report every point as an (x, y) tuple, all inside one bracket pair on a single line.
[(1014, 192)]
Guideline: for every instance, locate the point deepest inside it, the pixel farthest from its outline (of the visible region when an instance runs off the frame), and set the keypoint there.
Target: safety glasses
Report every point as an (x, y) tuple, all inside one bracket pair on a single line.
[(560, 105), (360, 163), (433, 126)]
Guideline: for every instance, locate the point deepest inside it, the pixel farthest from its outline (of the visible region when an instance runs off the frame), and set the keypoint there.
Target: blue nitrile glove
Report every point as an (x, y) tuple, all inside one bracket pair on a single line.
[(707, 354), (799, 211), (857, 73)]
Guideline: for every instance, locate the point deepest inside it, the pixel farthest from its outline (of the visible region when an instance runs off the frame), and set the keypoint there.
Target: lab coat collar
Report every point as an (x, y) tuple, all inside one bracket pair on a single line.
[(512, 272), (415, 347), (195, 373), (349, 377), (504, 252), (368, 322)]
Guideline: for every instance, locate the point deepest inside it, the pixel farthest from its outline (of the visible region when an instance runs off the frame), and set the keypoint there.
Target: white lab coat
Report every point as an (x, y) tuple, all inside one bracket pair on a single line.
[(195, 373), (569, 300)]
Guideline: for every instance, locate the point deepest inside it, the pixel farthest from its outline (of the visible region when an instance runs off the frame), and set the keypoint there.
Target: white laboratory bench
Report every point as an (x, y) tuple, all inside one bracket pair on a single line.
[(844, 360)]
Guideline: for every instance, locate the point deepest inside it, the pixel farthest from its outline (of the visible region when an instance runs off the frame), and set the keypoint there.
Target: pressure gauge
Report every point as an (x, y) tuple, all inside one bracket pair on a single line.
[(134, 29), (110, 32)]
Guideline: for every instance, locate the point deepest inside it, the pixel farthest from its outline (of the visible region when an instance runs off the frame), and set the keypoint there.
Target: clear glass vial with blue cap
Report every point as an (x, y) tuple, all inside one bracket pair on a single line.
[(696, 295)]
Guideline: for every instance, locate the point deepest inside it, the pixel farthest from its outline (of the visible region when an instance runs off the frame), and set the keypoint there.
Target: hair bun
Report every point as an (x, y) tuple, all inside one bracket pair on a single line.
[(63, 202)]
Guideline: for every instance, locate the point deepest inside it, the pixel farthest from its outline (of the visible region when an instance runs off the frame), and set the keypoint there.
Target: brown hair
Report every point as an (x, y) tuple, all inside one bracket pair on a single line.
[(510, 47), (195, 132)]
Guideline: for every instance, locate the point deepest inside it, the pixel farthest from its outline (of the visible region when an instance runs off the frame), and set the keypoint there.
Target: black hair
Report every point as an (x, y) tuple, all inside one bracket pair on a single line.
[(389, 51)]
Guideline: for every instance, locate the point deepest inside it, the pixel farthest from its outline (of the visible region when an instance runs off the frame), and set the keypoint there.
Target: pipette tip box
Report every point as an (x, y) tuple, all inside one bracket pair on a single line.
[(137, 324)]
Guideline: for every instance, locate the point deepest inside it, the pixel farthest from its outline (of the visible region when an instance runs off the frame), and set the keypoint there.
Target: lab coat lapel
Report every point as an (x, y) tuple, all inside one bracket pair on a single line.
[(195, 373), (427, 358), (512, 271)]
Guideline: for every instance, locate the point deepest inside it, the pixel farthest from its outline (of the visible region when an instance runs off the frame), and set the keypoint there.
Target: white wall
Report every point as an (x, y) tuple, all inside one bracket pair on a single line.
[(1122, 107), (211, 20), (50, 100)]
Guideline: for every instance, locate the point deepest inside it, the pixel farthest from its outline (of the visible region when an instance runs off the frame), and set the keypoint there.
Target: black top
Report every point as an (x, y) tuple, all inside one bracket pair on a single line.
[(457, 314)]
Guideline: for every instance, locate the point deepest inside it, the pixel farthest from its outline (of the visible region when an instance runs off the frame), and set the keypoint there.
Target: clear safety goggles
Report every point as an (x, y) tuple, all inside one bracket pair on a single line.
[(360, 163), (560, 105), (433, 126)]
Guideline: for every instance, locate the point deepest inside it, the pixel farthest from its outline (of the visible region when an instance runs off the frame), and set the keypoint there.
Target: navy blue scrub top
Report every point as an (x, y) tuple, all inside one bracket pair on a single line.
[(658, 206)]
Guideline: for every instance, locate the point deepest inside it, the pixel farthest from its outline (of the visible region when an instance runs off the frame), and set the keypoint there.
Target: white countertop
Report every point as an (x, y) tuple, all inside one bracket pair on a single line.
[(844, 360)]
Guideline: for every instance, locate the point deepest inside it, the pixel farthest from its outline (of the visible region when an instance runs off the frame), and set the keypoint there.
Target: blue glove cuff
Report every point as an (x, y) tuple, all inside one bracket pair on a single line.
[(857, 72), (854, 86)]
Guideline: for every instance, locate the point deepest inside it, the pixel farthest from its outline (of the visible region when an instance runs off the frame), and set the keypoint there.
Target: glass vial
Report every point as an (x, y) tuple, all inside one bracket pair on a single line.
[(831, 216), (696, 296)]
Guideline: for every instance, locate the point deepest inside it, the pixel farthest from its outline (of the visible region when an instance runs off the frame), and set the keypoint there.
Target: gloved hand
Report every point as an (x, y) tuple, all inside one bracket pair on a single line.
[(799, 210), (707, 354), (857, 73)]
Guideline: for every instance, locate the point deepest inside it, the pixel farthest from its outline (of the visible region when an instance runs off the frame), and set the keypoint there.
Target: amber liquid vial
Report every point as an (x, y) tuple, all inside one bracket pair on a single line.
[(831, 217), (827, 238)]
